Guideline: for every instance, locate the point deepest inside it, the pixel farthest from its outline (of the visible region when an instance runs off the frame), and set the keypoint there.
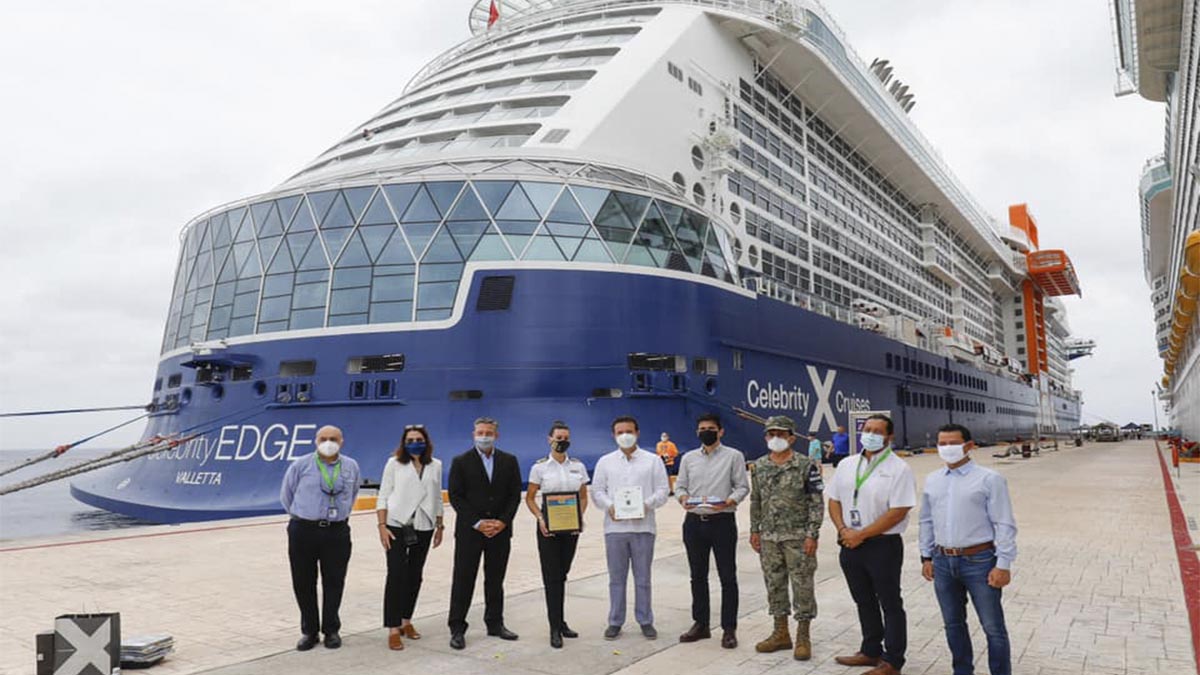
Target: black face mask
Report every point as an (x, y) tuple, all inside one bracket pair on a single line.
[(708, 436), (561, 446)]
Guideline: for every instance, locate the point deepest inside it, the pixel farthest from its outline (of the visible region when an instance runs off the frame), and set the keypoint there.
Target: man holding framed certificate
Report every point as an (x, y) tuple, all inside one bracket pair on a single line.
[(629, 484), (561, 482)]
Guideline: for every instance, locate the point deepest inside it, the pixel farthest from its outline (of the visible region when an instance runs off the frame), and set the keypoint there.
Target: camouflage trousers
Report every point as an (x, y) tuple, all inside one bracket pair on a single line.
[(784, 562)]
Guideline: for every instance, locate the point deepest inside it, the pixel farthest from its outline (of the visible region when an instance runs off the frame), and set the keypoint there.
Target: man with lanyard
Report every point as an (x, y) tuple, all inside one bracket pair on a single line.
[(318, 492), (712, 481), (556, 551), (869, 500), (968, 542)]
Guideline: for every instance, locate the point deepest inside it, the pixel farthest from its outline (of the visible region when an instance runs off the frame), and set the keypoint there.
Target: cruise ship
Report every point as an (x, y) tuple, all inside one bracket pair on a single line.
[(592, 208), (1158, 58)]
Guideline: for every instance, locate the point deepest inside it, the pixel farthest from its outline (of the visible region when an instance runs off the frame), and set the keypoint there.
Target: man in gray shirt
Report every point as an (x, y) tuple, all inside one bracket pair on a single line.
[(712, 481)]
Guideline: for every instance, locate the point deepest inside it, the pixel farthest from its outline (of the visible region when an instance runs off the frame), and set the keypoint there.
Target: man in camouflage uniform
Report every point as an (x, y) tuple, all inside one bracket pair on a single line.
[(786, 510)]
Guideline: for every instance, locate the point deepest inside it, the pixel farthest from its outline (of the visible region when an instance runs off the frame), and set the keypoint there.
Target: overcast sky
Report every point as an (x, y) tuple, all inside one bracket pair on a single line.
[(123, 120)]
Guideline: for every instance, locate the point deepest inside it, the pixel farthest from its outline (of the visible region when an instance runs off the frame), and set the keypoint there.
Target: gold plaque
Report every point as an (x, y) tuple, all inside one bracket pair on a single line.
[(562, 511)]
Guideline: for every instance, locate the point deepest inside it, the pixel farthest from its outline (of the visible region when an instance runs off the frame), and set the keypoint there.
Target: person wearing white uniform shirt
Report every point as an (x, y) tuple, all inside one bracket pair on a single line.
[(556, 551), (869, 500), (409, 510), (629, 541)]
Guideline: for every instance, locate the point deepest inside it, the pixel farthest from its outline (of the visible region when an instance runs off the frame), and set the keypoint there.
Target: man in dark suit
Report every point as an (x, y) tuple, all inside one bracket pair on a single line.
[(485, 491)]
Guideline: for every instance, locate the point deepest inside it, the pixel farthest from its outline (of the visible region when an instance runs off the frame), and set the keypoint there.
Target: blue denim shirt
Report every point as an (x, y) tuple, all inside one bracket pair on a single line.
[(304, 493), (967, 506)]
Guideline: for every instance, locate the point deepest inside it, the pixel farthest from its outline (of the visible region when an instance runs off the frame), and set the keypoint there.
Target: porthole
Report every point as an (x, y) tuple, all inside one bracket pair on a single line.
[(679, 180), (260, 388), (753, 256), (185, 396), (737, 249), (735, 212), (218, 392), (698, 194), (697, 157)]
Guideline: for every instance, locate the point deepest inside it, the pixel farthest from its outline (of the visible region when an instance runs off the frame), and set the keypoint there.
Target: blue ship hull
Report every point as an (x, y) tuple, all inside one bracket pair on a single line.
[(560, 351)]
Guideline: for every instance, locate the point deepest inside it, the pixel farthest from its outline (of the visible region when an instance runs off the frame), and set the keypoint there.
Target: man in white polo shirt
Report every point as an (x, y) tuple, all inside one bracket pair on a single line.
[(869, 500)]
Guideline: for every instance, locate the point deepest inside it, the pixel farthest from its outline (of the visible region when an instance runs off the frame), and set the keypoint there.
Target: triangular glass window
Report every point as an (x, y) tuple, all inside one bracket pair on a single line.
[(633, 205), (443, 193), (395, 252), (422, 209), (258, 212), (517, 232), (518, 207), (282, 261), (442, 249), (569, 245), (298, 243), (357, 198), (590, 198), (419, 235), (466, 234), (223, 236), (338, 215), (271, 224), (467, 207), (313, 258), (320, 202), (355, 253), (378, 212), (400, 195), (228, 268), (240, 226), (566, 210), (568, 229), (249, 265), (543, 247), (493, 192), (376, 237), (287, 207), (541, 194), (303, 220), (267, 247), (592, 250), (491, 247), (335, 239)]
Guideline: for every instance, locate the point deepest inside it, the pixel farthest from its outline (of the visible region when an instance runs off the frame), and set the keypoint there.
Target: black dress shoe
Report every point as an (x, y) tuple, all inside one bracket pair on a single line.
[(333, 640), (729, 639), (556, 639), (698, 631), (306, 643), (458, 641), (502, 633), (567, 632)]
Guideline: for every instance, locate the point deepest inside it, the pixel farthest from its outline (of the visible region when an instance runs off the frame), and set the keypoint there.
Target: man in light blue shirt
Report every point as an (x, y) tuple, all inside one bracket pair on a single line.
[(968, 541)]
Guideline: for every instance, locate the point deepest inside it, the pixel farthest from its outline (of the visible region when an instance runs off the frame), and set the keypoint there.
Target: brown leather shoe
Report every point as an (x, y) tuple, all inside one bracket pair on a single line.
[(858, 659), (729, 639), (395, 641), (884, 668), (410, 632), (696, 632)]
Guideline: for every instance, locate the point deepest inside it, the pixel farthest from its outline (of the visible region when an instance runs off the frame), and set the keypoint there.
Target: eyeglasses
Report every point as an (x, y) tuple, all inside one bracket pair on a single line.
[(410, 427)]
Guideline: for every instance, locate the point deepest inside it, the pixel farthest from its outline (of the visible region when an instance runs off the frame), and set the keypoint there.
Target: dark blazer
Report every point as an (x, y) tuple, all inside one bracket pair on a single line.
[(474, 498)]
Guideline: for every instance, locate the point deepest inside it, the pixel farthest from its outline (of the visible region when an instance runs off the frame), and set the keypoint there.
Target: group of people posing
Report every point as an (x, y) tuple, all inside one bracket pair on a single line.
[(967, 533)]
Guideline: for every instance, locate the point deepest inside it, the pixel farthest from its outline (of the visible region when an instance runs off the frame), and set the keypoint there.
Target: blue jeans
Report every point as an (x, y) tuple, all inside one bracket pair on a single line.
[(954, 579)]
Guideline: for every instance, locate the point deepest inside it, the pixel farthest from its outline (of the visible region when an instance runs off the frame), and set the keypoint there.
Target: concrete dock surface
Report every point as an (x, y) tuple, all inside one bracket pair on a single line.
[(1096, 589)]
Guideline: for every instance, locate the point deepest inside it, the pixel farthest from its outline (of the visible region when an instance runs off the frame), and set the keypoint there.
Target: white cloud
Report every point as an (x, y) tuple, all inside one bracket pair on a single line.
[(124, 120)]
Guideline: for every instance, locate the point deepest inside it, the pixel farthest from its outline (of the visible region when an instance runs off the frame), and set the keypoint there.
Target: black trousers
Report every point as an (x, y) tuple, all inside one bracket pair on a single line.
[(873, 574), (405, 572), (328, 548), (469, 547), (718, 535), (556, 554)]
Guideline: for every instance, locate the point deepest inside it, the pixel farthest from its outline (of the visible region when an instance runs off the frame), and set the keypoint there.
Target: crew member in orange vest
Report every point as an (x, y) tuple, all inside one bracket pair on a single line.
[(667, 452)]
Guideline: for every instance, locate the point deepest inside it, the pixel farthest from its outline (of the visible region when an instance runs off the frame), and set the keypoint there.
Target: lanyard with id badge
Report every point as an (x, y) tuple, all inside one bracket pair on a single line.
[(860, 479), (330, 482)]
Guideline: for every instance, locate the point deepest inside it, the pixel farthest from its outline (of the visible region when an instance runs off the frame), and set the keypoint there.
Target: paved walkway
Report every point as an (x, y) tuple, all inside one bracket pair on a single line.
[(1096, 589)]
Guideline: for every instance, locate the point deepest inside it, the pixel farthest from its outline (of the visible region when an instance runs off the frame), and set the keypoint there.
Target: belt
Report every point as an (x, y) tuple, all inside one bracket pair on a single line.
[(970, 550), (705, 517), (320, 523)]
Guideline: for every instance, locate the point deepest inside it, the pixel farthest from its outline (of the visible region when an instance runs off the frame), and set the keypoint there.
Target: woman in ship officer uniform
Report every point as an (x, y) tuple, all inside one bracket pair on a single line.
[(409, 510), (557, 473)]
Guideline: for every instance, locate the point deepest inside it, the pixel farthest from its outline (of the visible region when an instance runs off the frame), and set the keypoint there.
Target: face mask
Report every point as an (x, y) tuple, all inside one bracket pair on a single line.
[(951, 453), (484, 443), (871, 442), (560, 446), (415, 448), (328, 448), (777, 444), (626, 441), (708, 436), (664, 438)]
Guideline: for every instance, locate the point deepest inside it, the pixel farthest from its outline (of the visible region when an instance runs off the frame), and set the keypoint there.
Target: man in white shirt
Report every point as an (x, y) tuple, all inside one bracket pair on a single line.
[(869, 500), (629, 530)]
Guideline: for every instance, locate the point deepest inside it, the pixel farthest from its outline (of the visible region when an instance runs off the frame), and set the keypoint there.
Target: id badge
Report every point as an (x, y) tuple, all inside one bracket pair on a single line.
[(332, 514), (855, 518)]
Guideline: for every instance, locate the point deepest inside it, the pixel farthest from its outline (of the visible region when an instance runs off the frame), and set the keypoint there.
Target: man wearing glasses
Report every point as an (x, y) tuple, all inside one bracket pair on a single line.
[(318, 492)]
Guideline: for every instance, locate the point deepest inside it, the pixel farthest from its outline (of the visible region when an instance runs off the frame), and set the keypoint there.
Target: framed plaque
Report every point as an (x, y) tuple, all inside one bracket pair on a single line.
[(628, 503), (562, 511)]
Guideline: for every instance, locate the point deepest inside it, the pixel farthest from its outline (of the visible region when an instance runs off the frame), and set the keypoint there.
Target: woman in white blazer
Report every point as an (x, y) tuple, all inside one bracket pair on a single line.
[(409, 510)]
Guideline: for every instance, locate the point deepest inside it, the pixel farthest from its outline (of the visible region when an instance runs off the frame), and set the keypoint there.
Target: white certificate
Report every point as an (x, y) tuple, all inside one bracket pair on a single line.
[(628, 504)]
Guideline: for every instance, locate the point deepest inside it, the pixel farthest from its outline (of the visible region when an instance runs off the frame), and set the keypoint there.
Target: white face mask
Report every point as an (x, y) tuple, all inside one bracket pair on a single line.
[(951, 453), (626, 441), (871, 442), (484, 443), (328, 448), (777, 444)]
